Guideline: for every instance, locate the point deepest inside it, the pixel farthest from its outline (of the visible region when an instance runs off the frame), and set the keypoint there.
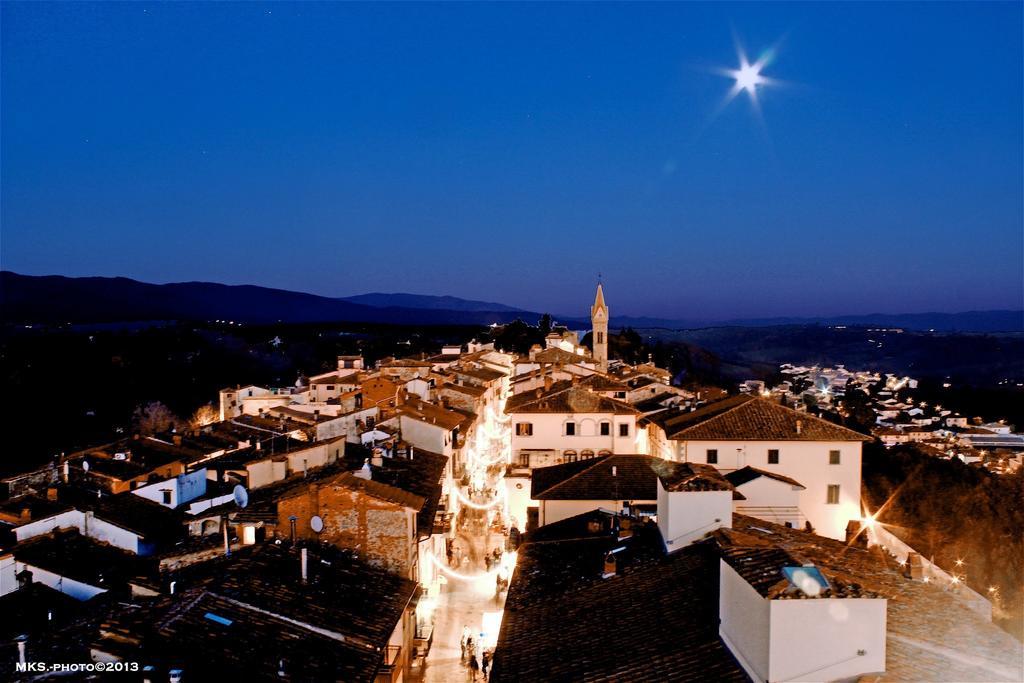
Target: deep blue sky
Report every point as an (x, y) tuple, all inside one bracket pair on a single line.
[(510, 152)]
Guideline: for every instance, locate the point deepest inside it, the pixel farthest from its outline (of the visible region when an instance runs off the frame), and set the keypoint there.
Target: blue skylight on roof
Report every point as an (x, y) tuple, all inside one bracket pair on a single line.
[(809, 579), (217, 618)]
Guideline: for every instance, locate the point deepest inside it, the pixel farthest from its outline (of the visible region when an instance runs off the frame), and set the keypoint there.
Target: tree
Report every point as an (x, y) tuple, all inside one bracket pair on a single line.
[(153, 418), (545, 324), (204, 415)]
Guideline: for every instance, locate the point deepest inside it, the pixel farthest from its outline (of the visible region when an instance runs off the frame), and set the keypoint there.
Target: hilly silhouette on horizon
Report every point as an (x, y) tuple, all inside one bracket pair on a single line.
[(56, 299)]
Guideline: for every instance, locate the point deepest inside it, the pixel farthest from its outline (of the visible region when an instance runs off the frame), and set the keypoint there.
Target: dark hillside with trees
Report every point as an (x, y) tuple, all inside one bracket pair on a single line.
[(950, 511)]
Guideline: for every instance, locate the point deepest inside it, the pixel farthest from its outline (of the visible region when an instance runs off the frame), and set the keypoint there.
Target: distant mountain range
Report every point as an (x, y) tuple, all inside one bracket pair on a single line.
[(445, 303), (28, 299)]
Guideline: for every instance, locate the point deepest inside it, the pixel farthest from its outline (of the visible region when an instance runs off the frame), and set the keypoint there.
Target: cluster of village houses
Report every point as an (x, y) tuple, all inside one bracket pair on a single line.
[(659, 534), (899, 417)]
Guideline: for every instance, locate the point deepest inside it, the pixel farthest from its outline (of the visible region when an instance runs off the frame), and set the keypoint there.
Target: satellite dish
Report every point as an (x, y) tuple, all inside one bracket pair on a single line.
[(317, 523), (85, 465), (241, 496)]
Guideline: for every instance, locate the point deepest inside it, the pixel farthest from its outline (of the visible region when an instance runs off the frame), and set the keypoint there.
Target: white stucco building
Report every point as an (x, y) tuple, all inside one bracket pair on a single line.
[(744, 431)]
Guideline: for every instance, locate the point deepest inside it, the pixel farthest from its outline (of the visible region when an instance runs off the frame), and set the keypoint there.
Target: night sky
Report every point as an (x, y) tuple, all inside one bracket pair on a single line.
[(511, 152)]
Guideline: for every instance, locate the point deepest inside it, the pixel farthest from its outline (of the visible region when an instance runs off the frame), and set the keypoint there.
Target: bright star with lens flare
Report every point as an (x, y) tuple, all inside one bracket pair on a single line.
[(748, 77)]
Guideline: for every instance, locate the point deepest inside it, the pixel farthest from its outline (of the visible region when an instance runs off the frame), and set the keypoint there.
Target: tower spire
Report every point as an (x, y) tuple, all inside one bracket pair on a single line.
[(599, 323)]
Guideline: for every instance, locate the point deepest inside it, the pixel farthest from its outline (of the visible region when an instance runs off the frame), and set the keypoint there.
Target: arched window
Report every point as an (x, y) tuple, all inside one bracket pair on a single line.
[(587, 454), (569, 456), (604, 451)]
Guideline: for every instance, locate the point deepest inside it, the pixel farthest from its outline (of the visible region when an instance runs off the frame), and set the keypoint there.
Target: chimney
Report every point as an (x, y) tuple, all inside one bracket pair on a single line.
[(378, 457), (799, 426), (854, 537), (65, 470), (26, 514), (610, 565), (364, 472), (51, 493), (548, 381), (915, 567), (177, 439), (22, 644), (304, 560)]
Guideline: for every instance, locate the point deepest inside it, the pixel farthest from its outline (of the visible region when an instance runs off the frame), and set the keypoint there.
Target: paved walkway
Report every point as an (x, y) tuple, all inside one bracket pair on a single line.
[(463, 602)]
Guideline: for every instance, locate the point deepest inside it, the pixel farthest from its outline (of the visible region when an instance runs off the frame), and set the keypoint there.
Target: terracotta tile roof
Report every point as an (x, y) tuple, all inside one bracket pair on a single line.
[(599, 382), (467, 389), (477, 373), (565, 397), (330, 379), (379, 490), (68, 553), (554, 356), (748, 418), (747, 474), (431, 413), (243, 617), (564, 622), (635, 478), (420, 476), (407, 363)]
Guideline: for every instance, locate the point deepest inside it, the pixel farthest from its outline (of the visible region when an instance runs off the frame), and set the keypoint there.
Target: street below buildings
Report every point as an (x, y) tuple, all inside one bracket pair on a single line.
[(478, 566)]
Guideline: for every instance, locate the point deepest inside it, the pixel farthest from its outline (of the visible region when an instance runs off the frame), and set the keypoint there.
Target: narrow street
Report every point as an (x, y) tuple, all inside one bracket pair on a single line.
[(477, 572)]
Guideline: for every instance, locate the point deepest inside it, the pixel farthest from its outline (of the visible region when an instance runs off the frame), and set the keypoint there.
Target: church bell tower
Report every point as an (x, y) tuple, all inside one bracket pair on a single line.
[(599, 322)]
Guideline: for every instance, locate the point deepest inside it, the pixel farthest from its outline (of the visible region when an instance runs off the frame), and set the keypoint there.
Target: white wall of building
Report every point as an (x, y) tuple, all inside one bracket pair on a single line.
[(182, 489), (518, 490), (552, 511), (685, 516), (76, 589), (8, 575), (821, 639), (429, 437), (745, 621), (768, 492), (549, 432), (105, 532), (800, 640), (805, 461), (64, 520), (87, 524)]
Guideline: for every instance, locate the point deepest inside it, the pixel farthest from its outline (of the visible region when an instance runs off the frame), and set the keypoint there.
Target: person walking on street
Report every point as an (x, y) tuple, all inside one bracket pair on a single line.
[(485, 664), (465, 641), (474, 667)]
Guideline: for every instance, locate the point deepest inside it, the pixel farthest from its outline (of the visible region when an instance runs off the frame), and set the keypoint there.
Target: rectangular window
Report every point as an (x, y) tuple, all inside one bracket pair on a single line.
[(833, 494), (570, 429), (524, 459), (833, 457), (624, 429), (773, 456), (524, 429), (606, 428), (330, 387), (712, 456)]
